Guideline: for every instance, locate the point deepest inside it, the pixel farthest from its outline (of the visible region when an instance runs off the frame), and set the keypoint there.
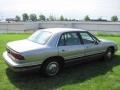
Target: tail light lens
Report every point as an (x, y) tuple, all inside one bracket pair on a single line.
[(17, 56), (14, 54)]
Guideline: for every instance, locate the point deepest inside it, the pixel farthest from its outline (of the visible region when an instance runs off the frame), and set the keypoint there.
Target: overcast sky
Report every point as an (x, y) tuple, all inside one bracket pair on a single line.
[(69, 8)]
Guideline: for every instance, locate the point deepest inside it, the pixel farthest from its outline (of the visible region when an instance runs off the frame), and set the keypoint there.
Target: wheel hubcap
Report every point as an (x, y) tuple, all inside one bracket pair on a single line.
[(52, 68), (109, 55)]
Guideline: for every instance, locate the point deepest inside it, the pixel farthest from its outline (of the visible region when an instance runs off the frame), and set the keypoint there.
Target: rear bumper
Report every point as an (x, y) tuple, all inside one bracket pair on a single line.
[(17, 67)]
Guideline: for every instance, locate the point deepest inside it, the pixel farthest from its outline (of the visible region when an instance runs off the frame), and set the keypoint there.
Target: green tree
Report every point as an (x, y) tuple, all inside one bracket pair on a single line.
[(25, 17), (66, 19), (17, 18), (61, 18), (47, 19), (51, 18), (33, 17), (87, 18), (42, 18), (114, 18), (100, 18)]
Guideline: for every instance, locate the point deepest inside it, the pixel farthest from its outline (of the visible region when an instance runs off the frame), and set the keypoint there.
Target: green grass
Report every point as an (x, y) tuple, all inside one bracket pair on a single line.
[(107, 34), (94, 75)]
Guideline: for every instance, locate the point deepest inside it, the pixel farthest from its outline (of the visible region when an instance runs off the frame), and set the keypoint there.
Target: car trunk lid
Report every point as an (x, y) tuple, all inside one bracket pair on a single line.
[(23, 45)]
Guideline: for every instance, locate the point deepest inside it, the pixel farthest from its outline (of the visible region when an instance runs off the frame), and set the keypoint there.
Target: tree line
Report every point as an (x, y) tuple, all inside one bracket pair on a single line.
[(113, 18), (33, 17)]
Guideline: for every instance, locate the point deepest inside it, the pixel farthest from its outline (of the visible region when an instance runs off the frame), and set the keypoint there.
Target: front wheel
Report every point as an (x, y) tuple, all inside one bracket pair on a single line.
[(51, 68)]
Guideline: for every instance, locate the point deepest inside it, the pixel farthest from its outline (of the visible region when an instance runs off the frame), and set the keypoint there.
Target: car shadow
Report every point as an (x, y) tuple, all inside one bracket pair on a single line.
[(70, 75)]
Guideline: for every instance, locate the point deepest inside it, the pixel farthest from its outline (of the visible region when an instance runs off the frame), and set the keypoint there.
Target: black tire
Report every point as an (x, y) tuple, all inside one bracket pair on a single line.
[(50, 68), (109, 54)]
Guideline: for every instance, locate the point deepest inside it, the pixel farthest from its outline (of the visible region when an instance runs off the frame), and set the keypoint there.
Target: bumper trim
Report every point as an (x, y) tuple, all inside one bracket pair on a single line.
[(26, 68)]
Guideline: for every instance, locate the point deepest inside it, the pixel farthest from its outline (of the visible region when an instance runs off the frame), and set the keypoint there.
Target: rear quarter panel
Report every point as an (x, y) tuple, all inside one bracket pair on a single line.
[(40, 54)]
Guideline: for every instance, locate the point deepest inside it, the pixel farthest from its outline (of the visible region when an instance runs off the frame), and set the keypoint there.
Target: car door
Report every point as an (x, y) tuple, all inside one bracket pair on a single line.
[(70, 46), (91, 44)]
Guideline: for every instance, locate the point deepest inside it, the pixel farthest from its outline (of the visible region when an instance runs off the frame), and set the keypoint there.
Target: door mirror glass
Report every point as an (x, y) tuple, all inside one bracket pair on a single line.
[(96, 42)]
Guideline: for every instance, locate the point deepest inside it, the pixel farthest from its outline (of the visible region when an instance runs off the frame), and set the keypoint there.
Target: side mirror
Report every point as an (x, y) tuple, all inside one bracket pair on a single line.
[(96, 42)]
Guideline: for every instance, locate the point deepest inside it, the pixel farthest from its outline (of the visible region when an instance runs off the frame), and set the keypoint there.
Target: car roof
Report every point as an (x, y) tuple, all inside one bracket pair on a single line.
[(61, 30)]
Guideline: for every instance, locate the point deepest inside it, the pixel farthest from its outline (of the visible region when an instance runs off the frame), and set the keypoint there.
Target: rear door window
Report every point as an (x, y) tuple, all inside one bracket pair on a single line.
[(70, 38)]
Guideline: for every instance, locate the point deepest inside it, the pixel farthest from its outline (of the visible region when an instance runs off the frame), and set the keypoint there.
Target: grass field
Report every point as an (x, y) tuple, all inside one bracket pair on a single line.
[(94, 75)]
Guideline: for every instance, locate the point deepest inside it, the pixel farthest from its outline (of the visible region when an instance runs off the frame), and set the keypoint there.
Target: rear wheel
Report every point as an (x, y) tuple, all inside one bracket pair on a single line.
[(51, 68), (109, 54)]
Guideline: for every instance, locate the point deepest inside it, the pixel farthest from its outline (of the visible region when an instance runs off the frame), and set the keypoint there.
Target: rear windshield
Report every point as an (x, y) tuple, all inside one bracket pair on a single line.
[(40, 37)]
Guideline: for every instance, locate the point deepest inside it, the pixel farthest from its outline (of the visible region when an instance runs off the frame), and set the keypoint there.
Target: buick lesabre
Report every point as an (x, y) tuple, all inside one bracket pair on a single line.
[(51, 49)]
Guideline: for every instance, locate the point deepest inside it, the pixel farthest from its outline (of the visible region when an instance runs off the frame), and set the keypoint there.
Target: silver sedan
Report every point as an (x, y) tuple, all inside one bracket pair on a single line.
[(51, 49)]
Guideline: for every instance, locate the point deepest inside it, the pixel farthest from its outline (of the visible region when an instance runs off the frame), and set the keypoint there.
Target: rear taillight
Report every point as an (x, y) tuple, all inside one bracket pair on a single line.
[(17, 56)]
